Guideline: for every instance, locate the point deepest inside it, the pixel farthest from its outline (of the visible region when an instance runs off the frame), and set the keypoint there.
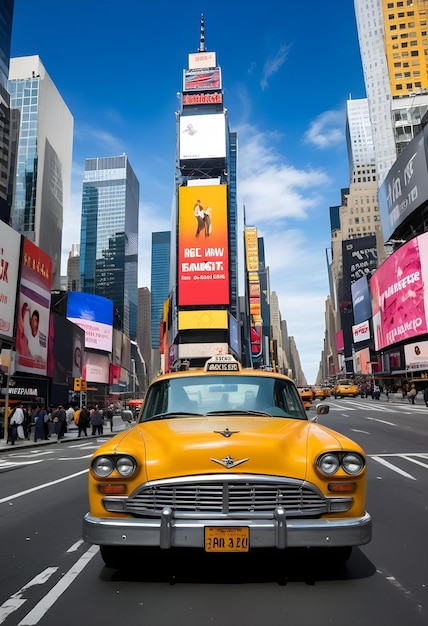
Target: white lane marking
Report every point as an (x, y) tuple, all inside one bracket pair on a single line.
[(16, 600), (415, 461), (356, 430), (40, 610), (75, 546), (407, 594), (392, 467), (74, 458), (375, 419), (53, 482)]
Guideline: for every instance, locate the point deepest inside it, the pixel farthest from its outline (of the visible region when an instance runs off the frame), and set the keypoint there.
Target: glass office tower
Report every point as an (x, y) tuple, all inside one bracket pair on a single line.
[(161, 254), (41, 154), (109, 236)]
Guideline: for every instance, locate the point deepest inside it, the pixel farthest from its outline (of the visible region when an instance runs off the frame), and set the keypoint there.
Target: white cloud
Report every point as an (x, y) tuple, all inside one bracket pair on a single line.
[(326, 130), (273, 64)]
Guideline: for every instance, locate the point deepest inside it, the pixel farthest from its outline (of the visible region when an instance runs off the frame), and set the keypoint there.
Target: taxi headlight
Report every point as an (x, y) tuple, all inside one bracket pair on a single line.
[(103, 466), (126, 466), (353, 463), (328, 463)]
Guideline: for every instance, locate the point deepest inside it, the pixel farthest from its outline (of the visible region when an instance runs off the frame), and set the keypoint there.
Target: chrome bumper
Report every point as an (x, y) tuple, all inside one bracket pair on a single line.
[(279, 532)]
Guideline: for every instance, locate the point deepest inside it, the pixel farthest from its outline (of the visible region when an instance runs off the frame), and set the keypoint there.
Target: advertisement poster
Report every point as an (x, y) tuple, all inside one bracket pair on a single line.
[(398, 294), (203, 251), (95, 315), (202, 136), (33, 310), (9, 267), (416, 355)]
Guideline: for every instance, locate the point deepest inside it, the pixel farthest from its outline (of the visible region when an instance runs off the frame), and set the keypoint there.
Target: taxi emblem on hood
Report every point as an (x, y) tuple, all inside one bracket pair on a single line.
[(226, 432), (229, 462)]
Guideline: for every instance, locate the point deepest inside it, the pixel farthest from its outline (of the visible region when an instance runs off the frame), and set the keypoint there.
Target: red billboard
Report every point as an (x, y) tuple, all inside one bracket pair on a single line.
[(202, 79), (203, 250), (399, 299), (33, 310)]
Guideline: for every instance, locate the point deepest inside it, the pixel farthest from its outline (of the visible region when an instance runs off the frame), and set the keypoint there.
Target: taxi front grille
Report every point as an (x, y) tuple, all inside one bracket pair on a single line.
[(227, 498)]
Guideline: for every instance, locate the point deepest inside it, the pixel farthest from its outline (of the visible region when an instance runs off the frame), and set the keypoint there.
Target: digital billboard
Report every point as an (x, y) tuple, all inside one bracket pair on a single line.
[(416, 355), (203, 250), (399, 298), (202, 59), (202, 79), (96, 368), (10, 250), (361, 303), (254, 292), (190, 99), (33, 310), (202, 137), (95, 315), (404, 189)]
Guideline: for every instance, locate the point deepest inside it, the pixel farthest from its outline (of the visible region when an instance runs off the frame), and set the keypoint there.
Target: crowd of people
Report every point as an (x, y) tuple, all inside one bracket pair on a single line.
[(39, 423)]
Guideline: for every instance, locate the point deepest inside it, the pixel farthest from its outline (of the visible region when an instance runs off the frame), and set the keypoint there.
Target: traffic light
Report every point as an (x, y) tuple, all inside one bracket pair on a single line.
[(78, 384), (83, 384)]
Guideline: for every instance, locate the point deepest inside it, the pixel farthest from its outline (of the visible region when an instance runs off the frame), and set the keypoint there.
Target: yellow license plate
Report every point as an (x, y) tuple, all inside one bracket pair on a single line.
[(227, 539)]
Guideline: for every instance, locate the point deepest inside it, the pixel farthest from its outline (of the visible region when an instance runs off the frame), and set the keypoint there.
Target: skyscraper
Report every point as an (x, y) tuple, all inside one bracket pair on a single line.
[(109, 236), (393, 41), (39, 183), (161, 252), (6, 16)]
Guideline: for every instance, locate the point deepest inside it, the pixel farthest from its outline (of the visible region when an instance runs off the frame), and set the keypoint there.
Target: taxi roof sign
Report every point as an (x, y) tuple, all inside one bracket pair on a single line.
[(222, 363)]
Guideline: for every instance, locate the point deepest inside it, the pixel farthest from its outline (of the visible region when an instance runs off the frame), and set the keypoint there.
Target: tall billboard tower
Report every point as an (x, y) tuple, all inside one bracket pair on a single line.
[(205, 300)]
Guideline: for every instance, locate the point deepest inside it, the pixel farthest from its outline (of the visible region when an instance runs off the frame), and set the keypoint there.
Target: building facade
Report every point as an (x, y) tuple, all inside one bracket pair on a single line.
[(6, 17), (41, 156), (109, 236)]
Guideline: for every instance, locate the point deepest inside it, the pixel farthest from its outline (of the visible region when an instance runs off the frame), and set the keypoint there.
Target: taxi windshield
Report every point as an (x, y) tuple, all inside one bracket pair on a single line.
[(217, 394)]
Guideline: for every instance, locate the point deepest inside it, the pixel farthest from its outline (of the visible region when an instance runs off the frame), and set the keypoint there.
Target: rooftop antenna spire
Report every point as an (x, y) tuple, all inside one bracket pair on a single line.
[(202, 36)]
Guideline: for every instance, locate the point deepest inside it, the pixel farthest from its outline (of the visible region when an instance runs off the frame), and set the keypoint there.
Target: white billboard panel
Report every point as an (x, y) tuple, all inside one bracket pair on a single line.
[(202, 137), (202, 59)]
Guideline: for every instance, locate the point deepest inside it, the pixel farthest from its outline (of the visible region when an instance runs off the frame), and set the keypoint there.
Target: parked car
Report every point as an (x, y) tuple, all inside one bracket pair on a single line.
[(225, 459), (344, 388)]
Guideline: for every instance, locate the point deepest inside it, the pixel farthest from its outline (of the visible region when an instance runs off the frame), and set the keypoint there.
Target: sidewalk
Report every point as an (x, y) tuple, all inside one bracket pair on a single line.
[(71, 435)]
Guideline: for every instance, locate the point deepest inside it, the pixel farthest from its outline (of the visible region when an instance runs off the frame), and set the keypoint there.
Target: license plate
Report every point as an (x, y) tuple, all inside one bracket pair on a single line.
[(226, 539)]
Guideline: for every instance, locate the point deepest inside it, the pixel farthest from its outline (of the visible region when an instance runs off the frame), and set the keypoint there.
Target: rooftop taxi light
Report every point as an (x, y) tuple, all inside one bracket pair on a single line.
[(222, 363)]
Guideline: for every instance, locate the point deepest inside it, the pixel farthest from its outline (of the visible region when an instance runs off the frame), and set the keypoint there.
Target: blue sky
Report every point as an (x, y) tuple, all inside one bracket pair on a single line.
[(287, 68)]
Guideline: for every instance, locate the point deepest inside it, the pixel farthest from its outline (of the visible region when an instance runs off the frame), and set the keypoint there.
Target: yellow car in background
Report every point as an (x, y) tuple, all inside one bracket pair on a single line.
[(345, 388), (225, 459), (307, 396)]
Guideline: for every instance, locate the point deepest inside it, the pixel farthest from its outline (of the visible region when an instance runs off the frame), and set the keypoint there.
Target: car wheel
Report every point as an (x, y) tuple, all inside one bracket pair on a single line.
[(114, 557)]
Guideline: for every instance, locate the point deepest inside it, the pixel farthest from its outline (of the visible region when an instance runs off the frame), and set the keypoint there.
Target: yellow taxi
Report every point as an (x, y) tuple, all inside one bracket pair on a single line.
[(307, 396), (225, 459), (345, 387)]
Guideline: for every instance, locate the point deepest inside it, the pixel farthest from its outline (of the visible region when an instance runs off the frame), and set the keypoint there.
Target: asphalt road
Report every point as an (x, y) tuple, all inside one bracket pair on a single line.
[(50, 576)]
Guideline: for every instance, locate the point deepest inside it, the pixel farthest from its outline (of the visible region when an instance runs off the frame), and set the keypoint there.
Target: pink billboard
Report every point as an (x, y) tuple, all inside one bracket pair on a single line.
[(399, 299), (34, 303)]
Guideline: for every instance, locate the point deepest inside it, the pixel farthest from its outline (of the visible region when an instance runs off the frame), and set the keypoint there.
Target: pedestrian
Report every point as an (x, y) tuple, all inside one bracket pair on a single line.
[(60, 422), (96, 421), (109, 417), (82, 420), (70, 415), (17, 424), (376, 392), (412, 393), (26, 426), (39, 423)]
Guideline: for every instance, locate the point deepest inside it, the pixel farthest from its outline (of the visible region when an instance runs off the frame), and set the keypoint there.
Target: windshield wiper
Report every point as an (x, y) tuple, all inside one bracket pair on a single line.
[(172, 414), (240, 411)]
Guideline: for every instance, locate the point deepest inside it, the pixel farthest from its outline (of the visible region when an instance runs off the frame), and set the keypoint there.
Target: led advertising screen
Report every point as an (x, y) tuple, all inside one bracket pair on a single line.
[(203, 251), (202, 59), (404, 189), (202, 79), (361, 332), (202, 137), (361, 303), (362, 362), (416, 355), (96, 368), (399, 300), (10, 249), (95, 315), (33, 310)]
